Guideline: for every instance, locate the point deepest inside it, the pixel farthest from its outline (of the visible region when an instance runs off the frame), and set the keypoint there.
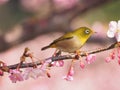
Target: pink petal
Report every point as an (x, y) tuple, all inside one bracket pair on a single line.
[(33, 73), (112, 29), (108, 59), (113, 26), (91, 58), (112, 55), (71, 71), (15, 76), (68, 78), (118, 36), (110, 34), (59, 63), (82, 65)]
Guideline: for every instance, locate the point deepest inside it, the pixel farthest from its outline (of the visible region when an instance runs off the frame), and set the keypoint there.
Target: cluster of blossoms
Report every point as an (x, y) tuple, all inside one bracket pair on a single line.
[(89, 60), (114, 31), (115, 54), (17, 75), (29, 72)]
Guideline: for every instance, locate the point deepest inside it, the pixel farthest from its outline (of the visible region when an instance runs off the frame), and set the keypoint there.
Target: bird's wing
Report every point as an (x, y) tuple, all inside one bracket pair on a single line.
[(65, 37)]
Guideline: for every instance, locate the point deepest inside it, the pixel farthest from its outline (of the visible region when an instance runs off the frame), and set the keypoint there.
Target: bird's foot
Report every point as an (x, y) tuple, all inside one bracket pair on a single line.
[(56, 53)]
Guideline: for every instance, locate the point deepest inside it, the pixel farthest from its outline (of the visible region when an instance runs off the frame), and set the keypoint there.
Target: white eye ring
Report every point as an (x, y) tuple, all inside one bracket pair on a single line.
[(87, 31)]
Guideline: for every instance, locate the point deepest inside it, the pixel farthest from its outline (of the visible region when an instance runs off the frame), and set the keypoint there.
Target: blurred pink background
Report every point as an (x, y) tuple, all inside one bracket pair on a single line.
[(36, 23)]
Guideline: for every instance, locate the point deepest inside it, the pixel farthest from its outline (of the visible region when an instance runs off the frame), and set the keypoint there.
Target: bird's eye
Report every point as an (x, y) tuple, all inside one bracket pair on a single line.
[(87, 31)]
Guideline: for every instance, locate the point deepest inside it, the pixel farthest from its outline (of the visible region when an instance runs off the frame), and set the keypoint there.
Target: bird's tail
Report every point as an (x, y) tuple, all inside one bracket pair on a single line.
[(46, 47)]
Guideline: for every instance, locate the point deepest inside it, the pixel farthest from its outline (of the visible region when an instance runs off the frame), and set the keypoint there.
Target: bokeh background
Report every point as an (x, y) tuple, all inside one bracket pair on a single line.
[(35, 23)]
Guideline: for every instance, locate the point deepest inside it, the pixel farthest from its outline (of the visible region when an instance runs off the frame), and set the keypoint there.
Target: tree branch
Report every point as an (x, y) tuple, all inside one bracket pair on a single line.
[(62, 57), (84, 53)]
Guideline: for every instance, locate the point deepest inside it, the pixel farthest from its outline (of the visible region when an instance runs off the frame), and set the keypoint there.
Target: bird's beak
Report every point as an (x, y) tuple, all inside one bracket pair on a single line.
[(95, 32)]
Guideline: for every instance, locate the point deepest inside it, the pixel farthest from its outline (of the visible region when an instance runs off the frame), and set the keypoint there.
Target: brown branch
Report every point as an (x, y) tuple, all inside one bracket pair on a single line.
[(24, 65), (63, 57)]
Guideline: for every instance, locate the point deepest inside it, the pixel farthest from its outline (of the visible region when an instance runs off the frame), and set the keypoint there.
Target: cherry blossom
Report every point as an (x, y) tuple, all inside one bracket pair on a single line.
[(112, 55), (108, 59), (59, 63), (82, 65), (33, 73), (69, 76), (15, 75), (114, 30), (90, 58)]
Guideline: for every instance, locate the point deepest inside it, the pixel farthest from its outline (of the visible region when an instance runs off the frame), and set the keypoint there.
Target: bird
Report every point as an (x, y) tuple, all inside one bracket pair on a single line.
[(71, 41)]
